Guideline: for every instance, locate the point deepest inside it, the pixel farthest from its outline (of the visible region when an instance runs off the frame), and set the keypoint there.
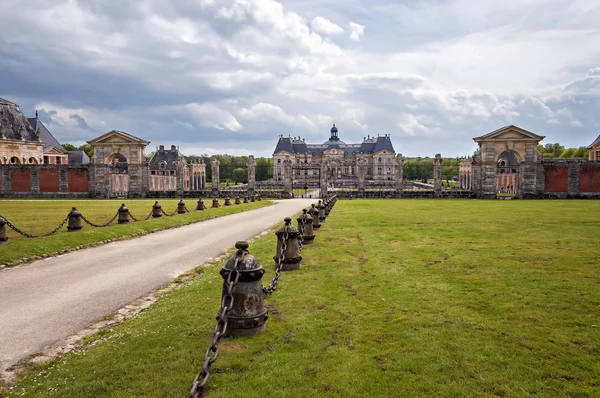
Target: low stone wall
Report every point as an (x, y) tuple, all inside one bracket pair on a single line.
[(44, 181)]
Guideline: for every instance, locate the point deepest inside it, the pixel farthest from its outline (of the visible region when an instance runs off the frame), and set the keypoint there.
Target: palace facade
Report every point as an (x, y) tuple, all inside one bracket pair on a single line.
[(339, 160)]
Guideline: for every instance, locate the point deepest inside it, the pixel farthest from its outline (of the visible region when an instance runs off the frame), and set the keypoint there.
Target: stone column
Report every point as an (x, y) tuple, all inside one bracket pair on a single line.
[(574, 173), (34, 173), (63, 178), (437, 175), (214, 163), (287, 177), (5, 188), (361, 171), (399, 177), (323, 178), (251, 173)]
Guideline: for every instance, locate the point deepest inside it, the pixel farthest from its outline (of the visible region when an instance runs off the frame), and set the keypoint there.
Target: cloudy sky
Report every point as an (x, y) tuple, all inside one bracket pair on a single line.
[(229, 76)]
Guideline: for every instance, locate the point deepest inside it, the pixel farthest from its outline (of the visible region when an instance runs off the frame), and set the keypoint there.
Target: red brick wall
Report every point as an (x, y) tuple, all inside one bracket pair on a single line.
[(556, 178), (78, 181), (20, 180), (589, 179), (49, 180)]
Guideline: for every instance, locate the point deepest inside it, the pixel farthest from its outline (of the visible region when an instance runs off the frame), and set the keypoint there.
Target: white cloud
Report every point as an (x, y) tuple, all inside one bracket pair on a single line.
[(210, 115), (356, 30), (324, 26), (251, 69)]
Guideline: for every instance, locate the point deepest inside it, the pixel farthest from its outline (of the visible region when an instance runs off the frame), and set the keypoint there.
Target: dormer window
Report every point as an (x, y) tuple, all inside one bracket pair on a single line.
[(162, 165)]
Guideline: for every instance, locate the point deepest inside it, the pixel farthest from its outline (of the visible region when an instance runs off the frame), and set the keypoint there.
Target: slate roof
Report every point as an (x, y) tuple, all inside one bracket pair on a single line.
[(368, 146), (45, 136), (13, 124), (78, 157), (593, 144), (171, 156)]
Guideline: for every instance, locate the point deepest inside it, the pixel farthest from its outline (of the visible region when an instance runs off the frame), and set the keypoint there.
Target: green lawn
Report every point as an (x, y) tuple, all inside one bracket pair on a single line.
[(395, 298), (41, 216)]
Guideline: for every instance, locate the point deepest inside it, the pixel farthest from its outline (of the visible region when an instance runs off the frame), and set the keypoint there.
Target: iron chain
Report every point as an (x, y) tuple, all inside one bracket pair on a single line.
[(280, 259), (132, 217), (25, 234), (301, 231), (212, 352), (100, 225), (167, 214)]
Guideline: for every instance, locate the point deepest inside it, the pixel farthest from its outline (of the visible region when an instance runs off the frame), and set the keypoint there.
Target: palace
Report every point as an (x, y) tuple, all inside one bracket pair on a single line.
[(336, 158)]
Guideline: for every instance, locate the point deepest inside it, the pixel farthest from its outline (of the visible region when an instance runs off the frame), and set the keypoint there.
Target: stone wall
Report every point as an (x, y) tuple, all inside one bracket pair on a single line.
[(556, 178), (571, 178), (43, 181)]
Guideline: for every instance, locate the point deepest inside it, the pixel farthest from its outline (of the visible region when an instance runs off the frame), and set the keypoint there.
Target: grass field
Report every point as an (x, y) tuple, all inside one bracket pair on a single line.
[(41, 216), (395, 298)]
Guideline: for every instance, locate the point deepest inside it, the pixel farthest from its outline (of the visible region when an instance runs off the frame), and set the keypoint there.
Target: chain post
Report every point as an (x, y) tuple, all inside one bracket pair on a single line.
[(3, 236), (233, 317)]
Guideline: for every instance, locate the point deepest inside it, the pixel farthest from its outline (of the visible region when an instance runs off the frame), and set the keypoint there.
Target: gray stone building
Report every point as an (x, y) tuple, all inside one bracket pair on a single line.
[(335, 163)]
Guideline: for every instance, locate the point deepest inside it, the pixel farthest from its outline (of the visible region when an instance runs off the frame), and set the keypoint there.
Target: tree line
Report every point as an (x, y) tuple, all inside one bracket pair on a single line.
[(556, 150), (234, 168)]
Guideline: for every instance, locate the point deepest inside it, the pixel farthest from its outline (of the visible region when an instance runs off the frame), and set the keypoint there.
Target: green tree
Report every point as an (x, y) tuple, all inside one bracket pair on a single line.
[(69, 147), (239, 175), (568, 153), (264, 169), (581, 152)]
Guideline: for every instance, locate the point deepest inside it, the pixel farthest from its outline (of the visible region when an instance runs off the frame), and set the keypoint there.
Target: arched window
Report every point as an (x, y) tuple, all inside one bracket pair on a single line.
[(32, 160), (162, 165), (15, 160)]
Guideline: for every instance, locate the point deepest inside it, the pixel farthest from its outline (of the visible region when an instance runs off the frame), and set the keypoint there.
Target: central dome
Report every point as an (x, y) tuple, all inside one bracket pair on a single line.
[(334, 139)]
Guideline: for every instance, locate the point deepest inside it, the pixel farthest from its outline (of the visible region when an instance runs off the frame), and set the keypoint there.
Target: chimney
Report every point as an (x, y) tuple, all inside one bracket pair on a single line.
[(161, 148), (173, 148)]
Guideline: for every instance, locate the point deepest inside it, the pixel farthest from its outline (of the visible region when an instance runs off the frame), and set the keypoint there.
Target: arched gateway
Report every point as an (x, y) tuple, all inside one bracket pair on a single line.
[(506, 163)]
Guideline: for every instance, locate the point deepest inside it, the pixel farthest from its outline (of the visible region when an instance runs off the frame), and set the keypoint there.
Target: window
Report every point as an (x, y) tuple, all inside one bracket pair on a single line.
[(153, 172), (172, 172), (597, 155), (278, 160), (58, 160), (14, 160), (379, 160), (46, 160), (32, 160), (162, 165)]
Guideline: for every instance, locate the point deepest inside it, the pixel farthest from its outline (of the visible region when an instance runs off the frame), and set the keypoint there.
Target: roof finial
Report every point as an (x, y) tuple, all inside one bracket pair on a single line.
[(36, 114)]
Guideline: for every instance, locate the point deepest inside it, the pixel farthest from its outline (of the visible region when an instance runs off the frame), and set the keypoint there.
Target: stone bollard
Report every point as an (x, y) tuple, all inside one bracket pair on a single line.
[(321, 208), (156, 210), (245, 199), (3, 236), (215, 203), (200, 205), (181, 207), (74, 223), (292, 256), (308, 235), (252, 198), (123, 215), (227, 201), (247, 315), (237, 200), (314, 213)]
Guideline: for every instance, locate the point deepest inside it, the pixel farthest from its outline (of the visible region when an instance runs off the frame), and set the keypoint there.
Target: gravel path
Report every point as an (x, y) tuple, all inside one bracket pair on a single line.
[(50, 299)]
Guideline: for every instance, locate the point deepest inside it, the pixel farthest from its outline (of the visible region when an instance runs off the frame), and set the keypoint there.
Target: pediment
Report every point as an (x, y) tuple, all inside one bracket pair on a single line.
[(54, 151), (117, 137), (510, 133)]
